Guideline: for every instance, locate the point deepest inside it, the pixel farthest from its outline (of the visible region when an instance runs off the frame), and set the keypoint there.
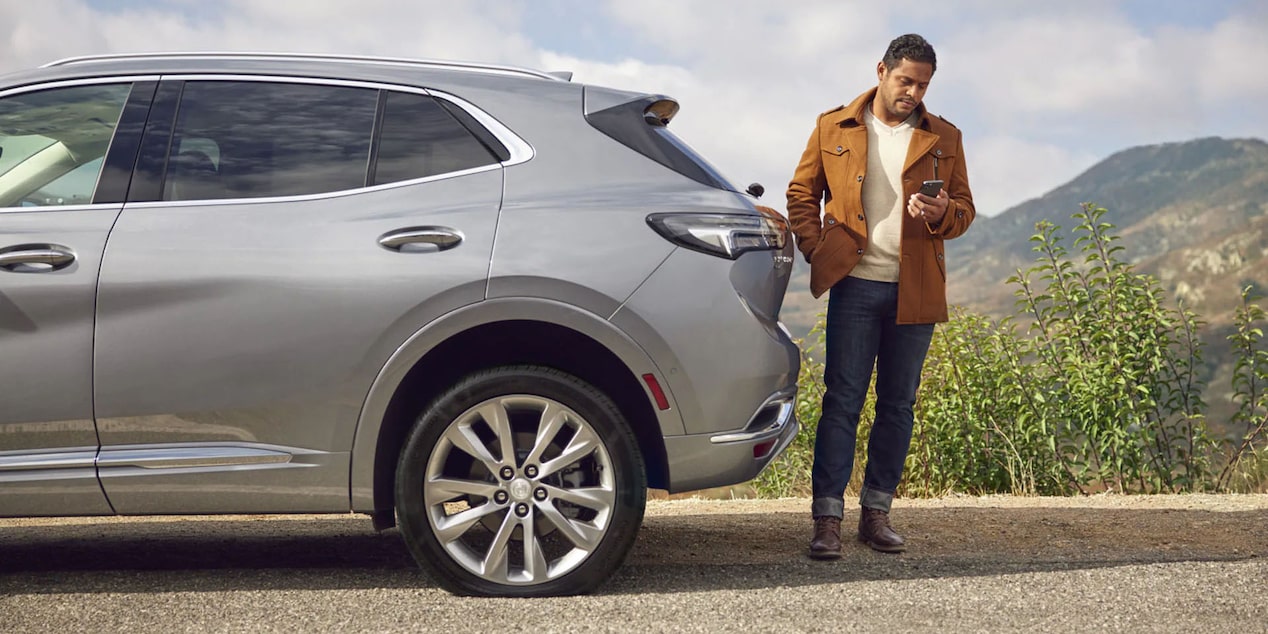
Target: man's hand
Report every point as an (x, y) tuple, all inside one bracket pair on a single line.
[(930, 210)]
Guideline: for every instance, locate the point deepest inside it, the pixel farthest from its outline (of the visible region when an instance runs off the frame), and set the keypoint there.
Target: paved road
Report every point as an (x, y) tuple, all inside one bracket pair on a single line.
[(981, 565)]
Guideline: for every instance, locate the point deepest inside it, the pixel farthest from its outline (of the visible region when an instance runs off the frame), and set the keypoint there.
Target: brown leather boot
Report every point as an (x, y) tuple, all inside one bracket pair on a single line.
[(875, 531), (826, 543)]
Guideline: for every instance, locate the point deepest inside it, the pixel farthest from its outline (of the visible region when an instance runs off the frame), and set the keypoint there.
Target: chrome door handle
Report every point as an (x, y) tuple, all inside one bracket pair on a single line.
[(35, 258), (420, 239)]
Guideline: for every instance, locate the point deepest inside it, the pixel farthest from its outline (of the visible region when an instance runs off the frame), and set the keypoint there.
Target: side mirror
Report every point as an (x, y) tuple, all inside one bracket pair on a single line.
[(756, 190)]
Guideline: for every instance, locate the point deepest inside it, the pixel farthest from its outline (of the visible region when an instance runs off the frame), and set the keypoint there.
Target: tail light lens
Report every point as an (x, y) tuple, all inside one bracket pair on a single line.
[(724, 235)]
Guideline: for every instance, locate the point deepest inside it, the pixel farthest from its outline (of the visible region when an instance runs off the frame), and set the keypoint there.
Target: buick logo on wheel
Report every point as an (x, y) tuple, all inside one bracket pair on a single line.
[(521, 490)]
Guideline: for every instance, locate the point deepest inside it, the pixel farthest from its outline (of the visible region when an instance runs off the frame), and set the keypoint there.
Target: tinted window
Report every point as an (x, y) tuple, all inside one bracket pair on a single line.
[(419, 138), (255, 139), (52, 142)]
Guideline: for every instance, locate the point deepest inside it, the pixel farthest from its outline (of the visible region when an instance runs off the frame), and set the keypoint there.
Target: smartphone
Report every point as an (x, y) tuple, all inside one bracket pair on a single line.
[(931, 188)]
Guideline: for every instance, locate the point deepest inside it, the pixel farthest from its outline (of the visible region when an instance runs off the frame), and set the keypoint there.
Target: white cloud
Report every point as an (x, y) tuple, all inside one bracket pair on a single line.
[(1005, 171), (1232, 70), (480, 31), (1042, 90)]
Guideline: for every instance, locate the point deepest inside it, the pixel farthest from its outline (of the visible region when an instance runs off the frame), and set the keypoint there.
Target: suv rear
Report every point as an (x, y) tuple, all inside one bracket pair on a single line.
[(485, 304)]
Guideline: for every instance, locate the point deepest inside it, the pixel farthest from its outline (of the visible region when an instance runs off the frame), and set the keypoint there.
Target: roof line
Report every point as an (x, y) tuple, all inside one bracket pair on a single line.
[(395, 61)]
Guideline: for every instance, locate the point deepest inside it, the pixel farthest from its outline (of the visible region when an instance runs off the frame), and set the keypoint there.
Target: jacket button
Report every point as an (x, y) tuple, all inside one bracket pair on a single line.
[(939, 257), (959, 214), (860, 178), (832, 221), (840, 149), (860, 252), (861, 217), (938, 152)]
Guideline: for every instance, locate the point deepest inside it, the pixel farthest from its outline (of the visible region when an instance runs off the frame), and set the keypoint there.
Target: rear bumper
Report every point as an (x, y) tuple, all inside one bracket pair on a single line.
[(702, 461)]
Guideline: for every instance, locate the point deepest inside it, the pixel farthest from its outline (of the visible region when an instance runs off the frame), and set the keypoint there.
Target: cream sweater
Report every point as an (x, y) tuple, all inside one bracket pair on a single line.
[(883, 202)]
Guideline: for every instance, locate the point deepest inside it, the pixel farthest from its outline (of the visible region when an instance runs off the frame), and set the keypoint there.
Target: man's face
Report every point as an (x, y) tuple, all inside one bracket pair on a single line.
[(903, 88)]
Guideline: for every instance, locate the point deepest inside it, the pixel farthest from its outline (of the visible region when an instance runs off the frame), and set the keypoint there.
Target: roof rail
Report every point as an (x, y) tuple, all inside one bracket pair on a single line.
[(352, 59)]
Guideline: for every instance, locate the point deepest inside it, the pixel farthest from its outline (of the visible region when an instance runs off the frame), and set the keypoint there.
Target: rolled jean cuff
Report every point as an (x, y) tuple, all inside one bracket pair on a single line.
[(874, 499), (831, 507)]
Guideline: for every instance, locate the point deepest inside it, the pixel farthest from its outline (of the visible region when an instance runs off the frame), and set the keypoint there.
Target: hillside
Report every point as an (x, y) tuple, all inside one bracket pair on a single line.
[(1193, 214)]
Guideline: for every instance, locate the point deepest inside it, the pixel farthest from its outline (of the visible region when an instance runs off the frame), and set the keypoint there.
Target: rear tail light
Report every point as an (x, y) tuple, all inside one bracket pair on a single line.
[(724, 235)]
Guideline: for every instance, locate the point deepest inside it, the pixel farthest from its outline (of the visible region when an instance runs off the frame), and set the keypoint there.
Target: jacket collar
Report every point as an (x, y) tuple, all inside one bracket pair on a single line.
[(852, 114)]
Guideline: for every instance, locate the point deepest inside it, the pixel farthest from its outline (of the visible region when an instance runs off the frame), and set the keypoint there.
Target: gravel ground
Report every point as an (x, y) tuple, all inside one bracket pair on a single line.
[(1156, 563)]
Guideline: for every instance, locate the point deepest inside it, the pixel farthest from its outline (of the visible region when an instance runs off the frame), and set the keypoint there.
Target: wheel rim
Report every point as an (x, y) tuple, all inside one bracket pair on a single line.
[(519, 490)]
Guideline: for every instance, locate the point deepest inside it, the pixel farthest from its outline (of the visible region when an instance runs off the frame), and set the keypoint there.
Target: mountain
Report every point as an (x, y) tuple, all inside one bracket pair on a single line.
[(1192, 214)]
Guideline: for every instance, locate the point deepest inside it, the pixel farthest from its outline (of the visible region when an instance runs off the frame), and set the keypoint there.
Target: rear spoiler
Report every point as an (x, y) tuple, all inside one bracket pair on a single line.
[(638, 121)]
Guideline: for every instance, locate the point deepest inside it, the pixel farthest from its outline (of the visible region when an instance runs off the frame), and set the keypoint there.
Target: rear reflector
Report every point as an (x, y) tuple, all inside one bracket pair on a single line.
[(659, 394), (762, 448)]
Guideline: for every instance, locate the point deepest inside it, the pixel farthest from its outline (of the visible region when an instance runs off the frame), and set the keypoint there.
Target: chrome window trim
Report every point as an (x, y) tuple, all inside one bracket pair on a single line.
[(87, 81), (70, 83), (45, 209), (473, 67), (307, 197), (520, 149), (286, 79)]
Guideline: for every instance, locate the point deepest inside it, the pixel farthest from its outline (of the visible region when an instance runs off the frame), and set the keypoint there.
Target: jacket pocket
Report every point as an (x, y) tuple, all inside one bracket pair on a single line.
[(942, 159), (834, 149), (940, 259), (832, 260), (836, 156)]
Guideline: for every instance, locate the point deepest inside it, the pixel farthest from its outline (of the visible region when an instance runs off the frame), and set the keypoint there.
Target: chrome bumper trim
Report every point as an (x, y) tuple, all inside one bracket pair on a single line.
[(781, 420)]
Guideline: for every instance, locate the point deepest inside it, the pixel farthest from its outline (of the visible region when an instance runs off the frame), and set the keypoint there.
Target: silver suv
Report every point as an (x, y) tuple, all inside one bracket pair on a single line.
[(487, 305)]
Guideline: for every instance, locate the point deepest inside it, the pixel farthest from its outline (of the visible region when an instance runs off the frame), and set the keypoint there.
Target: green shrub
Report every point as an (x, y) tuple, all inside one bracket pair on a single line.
[(1246, 468), (1094, 385)]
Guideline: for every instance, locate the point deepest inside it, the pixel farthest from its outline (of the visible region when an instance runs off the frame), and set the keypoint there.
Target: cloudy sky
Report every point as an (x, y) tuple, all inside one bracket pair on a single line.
[(1042, 90)]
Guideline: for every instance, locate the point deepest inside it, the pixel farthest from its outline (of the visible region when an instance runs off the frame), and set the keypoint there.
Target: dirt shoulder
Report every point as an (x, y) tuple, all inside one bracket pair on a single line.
[(1004, 531), (982, 534), (1104, 563)]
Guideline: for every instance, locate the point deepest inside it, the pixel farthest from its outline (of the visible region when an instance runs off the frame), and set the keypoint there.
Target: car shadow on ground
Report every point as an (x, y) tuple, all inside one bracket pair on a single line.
[(751, 551), (674, 553)]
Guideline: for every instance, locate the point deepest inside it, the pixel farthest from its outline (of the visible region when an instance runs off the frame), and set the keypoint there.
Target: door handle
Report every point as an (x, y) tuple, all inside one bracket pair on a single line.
[(420, 239), (35, 258)]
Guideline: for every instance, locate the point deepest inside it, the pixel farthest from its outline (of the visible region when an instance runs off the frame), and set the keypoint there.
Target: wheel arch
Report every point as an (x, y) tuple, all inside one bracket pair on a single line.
[(496, 333)]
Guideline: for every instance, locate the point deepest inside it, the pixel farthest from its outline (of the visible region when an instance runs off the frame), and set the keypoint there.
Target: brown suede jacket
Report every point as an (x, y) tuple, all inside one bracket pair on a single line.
[(832, 169)]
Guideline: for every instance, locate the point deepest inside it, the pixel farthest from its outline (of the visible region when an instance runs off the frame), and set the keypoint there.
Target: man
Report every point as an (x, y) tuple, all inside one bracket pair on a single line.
[(878, 251)]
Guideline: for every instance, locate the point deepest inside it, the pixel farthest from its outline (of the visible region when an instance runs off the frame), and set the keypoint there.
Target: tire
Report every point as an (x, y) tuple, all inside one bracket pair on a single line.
[(575, 483)]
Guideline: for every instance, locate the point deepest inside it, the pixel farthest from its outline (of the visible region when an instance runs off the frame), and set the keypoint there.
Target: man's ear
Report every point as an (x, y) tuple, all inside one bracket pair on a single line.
[(880, 71)]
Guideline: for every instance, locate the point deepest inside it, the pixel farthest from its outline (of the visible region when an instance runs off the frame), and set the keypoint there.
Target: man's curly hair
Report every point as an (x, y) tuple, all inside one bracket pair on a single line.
[(911, 47)]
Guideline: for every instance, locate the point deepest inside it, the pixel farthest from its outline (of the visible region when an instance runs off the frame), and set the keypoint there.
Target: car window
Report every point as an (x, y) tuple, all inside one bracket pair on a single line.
[(52, 142), (420, 138), (68, 188), (242, 139)]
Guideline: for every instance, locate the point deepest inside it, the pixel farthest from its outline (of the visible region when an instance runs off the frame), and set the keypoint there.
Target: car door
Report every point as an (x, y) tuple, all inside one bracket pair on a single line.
[(282, 238), (66, 152)]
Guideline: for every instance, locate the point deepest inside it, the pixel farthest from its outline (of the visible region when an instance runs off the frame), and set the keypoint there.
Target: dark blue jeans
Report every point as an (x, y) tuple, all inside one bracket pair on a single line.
[(862, 334)]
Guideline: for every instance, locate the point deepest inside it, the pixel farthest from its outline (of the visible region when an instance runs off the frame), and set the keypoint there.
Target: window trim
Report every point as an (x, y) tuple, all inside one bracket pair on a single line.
[(71, 83), (521, 151), (67, 83)]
